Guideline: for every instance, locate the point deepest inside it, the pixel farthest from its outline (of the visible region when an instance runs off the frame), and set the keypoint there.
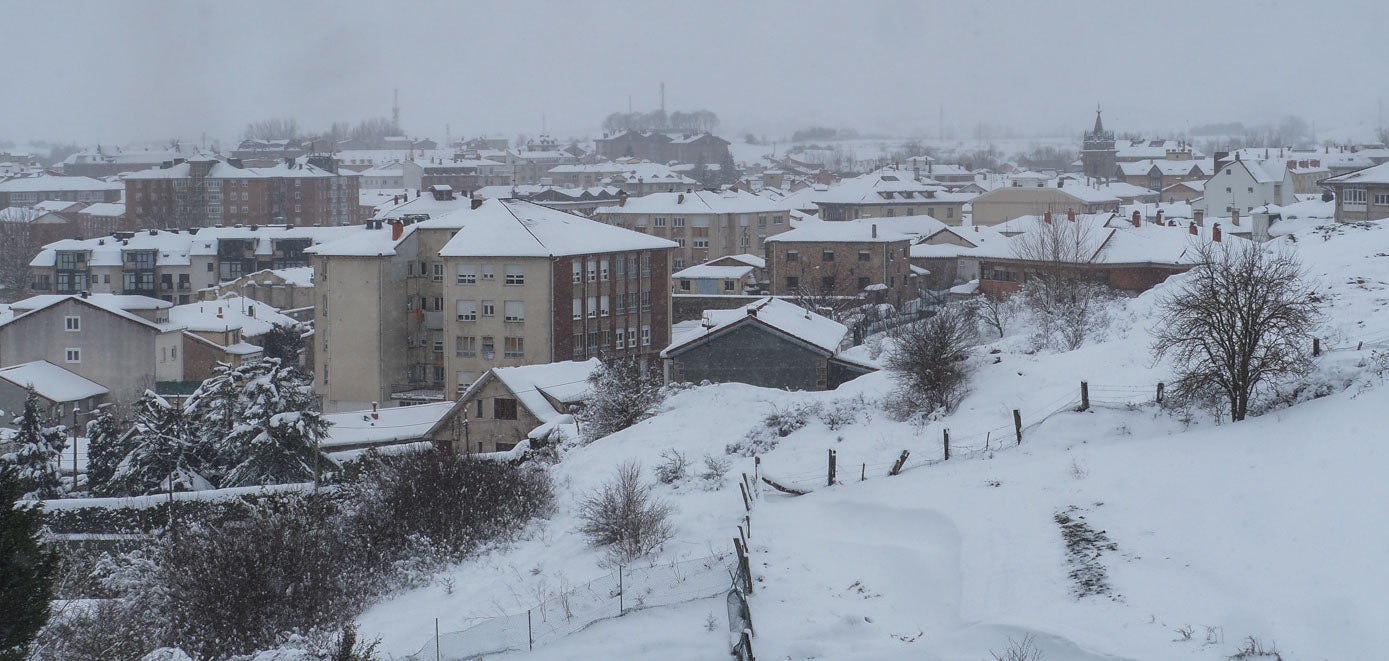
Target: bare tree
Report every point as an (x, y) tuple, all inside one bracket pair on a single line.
[(1242, 320), (18, 246), (1066, 298), (272, 129), (928, 362), (993, 312), (624, 516)]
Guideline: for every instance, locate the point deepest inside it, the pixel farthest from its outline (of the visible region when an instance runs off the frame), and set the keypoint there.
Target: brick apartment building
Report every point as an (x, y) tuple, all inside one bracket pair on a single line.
[(203, 191), (703, 224), (868, 258)]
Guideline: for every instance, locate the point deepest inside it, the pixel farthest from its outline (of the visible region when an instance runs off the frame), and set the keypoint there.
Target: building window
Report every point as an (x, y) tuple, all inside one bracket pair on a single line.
[(621, 338), (646, 336), (645, 301), (465, 346), (603, 270), (514, 310), (489, 348), (777, 220), (865, 256), (1353, 197), (578, 272), (515, 274), (827, 283), (728, 285), (514, 347), (467, 274), (488, 273), (793, 256), (659, 221), (489, 308), (684, 286), (467, 310), (680, 241), (827, 256), (1381, 199), (437, 271), (72, 355), (578, 308), (701, 243), (578, 345), (438, 346), (677, 222), (792, 282), (592, 270), (621, 265), (504, 408), (603, 308), (72, 323), (645, 265)]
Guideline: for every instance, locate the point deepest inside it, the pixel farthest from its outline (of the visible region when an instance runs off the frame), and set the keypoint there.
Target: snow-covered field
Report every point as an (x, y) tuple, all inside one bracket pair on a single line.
[(1203, 534)]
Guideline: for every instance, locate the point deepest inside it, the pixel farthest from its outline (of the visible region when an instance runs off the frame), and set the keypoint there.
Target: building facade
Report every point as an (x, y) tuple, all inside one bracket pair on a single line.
[(204, 192), (704, 225)]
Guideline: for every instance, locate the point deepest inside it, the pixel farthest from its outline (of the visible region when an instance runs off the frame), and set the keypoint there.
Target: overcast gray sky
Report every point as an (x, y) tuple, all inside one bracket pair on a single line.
[(155, 69)]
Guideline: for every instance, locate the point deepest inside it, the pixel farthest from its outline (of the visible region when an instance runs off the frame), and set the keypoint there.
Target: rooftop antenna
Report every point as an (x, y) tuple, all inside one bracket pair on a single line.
[(663, 98)]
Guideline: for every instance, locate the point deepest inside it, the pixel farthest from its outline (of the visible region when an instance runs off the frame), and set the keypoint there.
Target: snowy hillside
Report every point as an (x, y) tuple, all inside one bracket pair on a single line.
[(1185, 537)]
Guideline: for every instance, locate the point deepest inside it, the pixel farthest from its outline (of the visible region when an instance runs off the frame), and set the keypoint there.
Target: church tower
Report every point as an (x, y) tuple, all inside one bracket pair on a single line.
[(1097, 152)]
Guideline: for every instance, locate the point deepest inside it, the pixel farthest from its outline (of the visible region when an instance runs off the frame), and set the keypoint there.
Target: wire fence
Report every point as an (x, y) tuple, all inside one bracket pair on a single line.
[(615, 594), (970, 445)]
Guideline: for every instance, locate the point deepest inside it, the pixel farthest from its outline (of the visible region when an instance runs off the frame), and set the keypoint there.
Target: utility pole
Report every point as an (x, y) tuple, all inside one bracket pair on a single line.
[(75, 410), (663, 98)]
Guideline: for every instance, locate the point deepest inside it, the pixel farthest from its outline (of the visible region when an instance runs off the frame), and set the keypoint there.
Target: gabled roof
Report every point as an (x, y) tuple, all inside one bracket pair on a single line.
[(698, 202), (516, 228), (537, 386), (1378, 174), (790, 320), (862, 230), (46, 183), (390, 425), (117, 304), (52, 382)]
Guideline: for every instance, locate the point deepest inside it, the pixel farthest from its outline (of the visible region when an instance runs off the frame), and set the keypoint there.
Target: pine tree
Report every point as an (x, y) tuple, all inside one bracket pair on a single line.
[(36, 449), (285, 342), (165, 454), (107, 445), (213, 411), (278, 434), (27, 570)]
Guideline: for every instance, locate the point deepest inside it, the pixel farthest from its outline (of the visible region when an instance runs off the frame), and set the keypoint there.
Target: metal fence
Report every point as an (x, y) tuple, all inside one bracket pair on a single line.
[(612, 595)]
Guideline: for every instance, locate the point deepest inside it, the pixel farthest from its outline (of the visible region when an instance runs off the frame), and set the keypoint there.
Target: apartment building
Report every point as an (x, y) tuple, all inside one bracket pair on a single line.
[(203, 191), (1035, 194), (890, 193), (867, 258), (632, 176), (704, 225), (460, 174), (415, 310), (171, 265), (29, 191)]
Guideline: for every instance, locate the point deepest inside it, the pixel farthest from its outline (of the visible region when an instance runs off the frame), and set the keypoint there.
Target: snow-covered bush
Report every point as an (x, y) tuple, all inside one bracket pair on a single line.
[(623, 393), (33, 453), (929, 363), (624, 516), (778, 424), (673, 466), (715, 468)]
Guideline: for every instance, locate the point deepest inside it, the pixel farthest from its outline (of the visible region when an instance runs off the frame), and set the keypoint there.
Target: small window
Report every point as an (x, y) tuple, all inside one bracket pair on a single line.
[(514, 310), (488, 273), (514, 347), (467, 274), (865, 256), (827, 256), (728, 285), (684, 285), (489, 308), (646, 336), (438, 346), (489, 348), (465, 346), (515, 274), (578, 272), (793, 256), (792, 282), (504, 408), (72, 324), (621, 336), (437, 272), (72, 355), (677, 222), (467, 310)]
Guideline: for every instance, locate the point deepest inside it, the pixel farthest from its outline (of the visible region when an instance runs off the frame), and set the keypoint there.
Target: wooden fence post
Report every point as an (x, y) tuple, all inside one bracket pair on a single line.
[(863, 472), (830, 482), (1159, 392), (747, 503), (438, 652), (946, 440), (1017, 424), (1084, 396), (897, 465), (747, 523), (530, 632), (621, 602)]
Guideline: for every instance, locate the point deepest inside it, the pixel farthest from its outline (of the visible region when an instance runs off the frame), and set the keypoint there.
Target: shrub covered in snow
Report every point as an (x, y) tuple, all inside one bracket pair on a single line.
[(625, 516)]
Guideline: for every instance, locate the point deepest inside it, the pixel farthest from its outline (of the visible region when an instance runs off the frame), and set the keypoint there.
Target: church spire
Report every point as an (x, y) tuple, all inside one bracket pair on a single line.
[(1099, 125)]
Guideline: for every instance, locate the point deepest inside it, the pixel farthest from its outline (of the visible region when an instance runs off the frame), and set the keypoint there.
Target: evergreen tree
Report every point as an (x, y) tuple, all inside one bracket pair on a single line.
[(35, 451), (107, 445), (285, 342), (277, 436), (27, 570), (165, 454), (213, 411), (622, 393)]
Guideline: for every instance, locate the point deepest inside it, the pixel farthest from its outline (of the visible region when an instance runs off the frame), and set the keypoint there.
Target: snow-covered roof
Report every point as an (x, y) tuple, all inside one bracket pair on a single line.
[(1112, 239), (52, 382), (391, 425), (47, 183), (707, 272), (940, 243), (780, 315), (565, 382), (1378, 174), (176, 247), (750, 260), (516, 228), (862, 230), (56, 205), (104, 210), (886, 186), (697, 203), (1121, 190), (231, 312)]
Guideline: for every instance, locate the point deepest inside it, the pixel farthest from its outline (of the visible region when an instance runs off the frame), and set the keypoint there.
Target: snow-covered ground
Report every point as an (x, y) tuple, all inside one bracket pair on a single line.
[(1211, 533)]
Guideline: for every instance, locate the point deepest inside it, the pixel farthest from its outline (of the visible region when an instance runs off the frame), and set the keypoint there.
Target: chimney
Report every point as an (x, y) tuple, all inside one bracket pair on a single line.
[(1292, 165), (1198, 216), (1237, 156), (1071, 215), (680, 199), (875, 230), (86, 294), (1215, 232), (1137, 218), (397, 229), (1158, 217), (1046, 217), (375, 412), (1191, 229), (1234, 217), (251, 311), (477, 202)]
